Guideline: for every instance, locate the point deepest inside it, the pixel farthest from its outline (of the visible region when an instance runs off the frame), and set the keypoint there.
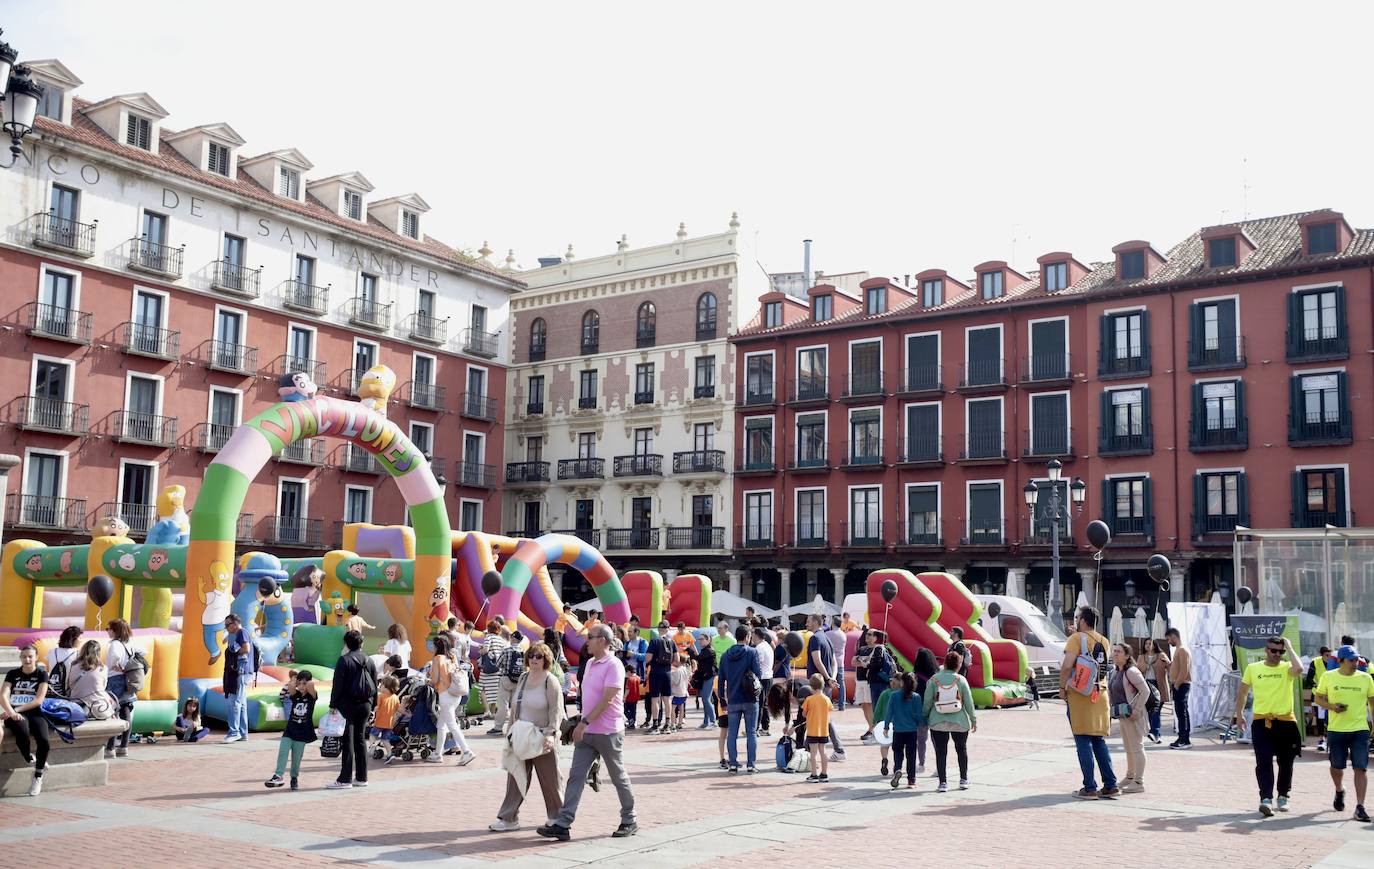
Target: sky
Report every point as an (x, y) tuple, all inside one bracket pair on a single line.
[(899, 137)]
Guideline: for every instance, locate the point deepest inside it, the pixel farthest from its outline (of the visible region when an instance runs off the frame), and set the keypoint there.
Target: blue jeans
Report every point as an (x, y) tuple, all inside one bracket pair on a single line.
[(1154, 721), (750, 713), (238, 708), (708, 715), (839, 677), (1090, 748)]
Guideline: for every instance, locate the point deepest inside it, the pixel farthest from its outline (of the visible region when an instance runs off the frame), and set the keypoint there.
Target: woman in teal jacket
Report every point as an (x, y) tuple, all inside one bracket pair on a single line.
[(904, 716), (949, 711)]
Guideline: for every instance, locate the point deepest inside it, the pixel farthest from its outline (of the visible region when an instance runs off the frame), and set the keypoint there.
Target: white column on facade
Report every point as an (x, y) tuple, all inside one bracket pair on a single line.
[(736, 581), (1177, 582), (1016, 582), (785, 576), (556, 577)]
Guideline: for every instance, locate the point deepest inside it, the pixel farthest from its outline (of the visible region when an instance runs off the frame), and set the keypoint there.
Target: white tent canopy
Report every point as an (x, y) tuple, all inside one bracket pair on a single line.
[(728, 604), (820, 606)]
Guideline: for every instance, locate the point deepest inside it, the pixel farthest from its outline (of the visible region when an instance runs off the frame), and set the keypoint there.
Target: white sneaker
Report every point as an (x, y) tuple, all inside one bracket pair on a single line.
[(337, 785), (231, 738), (109, 754), (837, 757), (37, 787), (435, 758), (921, 770), (499, 826), (467, 758)]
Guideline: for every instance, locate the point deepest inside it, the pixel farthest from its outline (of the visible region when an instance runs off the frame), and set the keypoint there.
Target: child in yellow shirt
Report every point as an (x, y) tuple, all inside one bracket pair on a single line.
[(816, 710)]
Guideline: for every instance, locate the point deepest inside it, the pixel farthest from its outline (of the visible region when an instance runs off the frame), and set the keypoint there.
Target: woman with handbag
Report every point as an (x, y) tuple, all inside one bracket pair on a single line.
[(1129, 695), (451, 683), (531, 740), (87, 682), (1156, 672), (118, 659)]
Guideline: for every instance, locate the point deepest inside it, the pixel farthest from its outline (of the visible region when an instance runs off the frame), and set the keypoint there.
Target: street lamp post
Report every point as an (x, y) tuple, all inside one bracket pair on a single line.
[(1054, 510), (21, 98)]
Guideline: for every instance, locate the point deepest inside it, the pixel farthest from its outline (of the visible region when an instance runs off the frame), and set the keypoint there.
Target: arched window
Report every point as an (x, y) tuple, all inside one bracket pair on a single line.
[(591, 332), (538, 339), (706, 316), (646, 325)]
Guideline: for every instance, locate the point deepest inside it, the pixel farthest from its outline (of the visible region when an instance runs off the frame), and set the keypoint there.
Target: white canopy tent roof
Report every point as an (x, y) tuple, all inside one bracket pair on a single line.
[(728, 604), (819, 606)]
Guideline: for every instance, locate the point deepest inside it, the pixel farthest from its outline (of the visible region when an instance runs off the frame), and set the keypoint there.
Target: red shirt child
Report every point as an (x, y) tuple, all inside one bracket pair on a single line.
[(631, 687)]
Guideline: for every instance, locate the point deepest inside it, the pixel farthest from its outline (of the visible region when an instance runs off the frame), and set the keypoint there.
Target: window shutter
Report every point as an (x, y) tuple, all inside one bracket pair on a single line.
[(1295, 408), (1343, 402), (1341, 509), (1148, 505), (1340, 313), (1105, 351), (1109, 505), (131, 131), (1295, 515), (1145, 337), (1199, 421), (1242, 500), (1145, 417), (1199, 506), (1295, 335), (1242, 425), (1194, 333), (1104, 430)]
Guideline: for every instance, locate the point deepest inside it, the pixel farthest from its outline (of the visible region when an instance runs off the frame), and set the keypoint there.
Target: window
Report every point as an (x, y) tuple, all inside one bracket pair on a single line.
[(646, 328), (50, 103), (62, 207), (1042, 527), (772, 315), (473, 458), (56, 301), (353, 205), (141, 420), (985, 513), (535, 397), (812, 379), (706, 316), (1219, 406), (477, 318), (52, 383), (922, 363), (364, 357), (424, 370), (1219, 504), (300, 348), (932, 292), (584, 516), (410, 224), (875, 300), (1056, 277), (1322, 238), (1125, 420), (703, 522), (147, 331), (1049, 417), (470, 516), (822, 308), (703, 437), (422, 436), (1221, 252), (136, 484), (357, 504), (990, 284), (1218, 416), (477, 384), (154, 233), (424, 305), (758, 443), (1131, 265), (1319, 411), (1127, 501), (534, 448), (758, 519), (228, 348), (921, 441), (233, 252), (922, 515), (984, 366), (811, 517), (224, 417), (866, 368), (758, 379), (591, 332), (43, 488), (1214, 340), (866, 437), (218, 160), (811, 440), (288, 183), (1316, 324), (1125, 344), (865, 515), (539, 336), (704, 383), (1049, 354), (644, 442), (644, 383), (139, 132), (305, 272), (1319, 498), (586, 392), (984, 429)]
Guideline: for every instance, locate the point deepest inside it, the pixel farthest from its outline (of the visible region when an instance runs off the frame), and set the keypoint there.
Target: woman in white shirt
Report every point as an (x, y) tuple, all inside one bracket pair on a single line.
[(116, 659), (59, 678), (397, 643)]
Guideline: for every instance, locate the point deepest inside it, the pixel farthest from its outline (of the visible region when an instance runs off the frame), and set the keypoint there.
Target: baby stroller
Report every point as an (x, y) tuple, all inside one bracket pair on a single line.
[(415, 725)]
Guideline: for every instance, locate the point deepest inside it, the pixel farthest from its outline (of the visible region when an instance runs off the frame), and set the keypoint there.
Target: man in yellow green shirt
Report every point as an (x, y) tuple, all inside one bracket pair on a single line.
[(1347, 695), (1274, 732)]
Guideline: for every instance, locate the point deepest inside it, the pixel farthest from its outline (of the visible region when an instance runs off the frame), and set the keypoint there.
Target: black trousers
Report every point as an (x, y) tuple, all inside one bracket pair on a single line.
[(1274, 740), (941, 739), (31, 736), (354, 748), (1181, 715)]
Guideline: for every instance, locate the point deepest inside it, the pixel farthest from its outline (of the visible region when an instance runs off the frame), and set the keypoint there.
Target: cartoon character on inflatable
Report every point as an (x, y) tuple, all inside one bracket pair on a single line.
[(296, 386), (170, 507), (305, 594), (261, 581), (213, 591), (374, 388)]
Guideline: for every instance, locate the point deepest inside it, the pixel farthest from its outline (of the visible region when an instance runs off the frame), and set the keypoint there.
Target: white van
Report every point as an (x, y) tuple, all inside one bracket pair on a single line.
[(1012, 618)]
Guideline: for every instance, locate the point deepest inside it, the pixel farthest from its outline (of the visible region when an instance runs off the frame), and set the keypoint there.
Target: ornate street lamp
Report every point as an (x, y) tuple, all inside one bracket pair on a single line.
[(1055, 511), (21, 98)]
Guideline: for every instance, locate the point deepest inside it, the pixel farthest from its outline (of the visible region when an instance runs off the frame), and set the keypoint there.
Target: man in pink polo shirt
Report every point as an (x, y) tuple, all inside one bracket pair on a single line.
[(601, 734)]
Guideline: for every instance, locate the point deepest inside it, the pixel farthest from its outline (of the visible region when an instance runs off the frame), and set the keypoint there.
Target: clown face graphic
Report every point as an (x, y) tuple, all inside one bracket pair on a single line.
[(157, 559), (392, 572), (358, 570)]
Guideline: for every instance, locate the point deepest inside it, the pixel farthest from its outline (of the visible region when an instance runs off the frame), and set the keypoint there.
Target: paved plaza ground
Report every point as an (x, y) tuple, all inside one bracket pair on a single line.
[(206, 804)]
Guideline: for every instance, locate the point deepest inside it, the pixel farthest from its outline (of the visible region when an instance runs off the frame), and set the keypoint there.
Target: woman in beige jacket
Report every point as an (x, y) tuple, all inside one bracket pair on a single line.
[(538, 701), (1129, 695)]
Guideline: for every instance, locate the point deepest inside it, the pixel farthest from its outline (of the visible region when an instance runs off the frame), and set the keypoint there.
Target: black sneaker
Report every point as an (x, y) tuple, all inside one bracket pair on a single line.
[(883, 769), (275, 781), (554, 831), (625, 830), (1361, 814), (724, 764), (1110, 792), (734, 769), (751, 770), (824, 777), (295, 785), (1339, 802)]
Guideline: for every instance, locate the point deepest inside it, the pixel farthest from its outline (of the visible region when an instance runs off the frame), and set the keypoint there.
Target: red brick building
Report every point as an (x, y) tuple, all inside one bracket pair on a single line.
[(1195, 390)]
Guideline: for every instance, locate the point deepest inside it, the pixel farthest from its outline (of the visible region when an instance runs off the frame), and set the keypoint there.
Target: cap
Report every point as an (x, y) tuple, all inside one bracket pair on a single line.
[(1347, 653)]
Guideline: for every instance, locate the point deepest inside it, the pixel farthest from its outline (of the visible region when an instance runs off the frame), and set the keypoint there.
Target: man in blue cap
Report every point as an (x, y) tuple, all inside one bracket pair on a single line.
[(1348, 696)]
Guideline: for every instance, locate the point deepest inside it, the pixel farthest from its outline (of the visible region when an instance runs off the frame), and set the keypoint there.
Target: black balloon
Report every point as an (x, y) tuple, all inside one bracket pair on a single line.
[(1244, 595), (794, 644), (267, 586), (888, 590), (100, 589), (994, 609), (1158, 567), (491, 583), (1099, 535)]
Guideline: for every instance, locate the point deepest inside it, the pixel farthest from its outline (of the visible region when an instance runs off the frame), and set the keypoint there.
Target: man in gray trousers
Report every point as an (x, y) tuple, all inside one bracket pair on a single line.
[(601, 734)]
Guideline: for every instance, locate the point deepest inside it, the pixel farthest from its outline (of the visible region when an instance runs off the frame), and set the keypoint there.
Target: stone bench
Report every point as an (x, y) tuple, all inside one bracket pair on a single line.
[(70, 765)]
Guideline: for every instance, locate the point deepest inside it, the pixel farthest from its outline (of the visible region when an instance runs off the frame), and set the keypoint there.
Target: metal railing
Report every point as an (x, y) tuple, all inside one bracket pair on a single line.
[(37, 413), (1133, 525), (145, 428), (64, 324), (747, 460), (426, 396), (438, 465), (699, 462), (223, 356), (586, 402), (1044, 536), (922, 378), (865, 453), (1110, 442), (922, 448), (243, 529), (476, 475), (152, 341), (211, 437), (235, 278), (704, 391), (534, 408), (1111, 365), (45, 511), (286, 364), (1214, 356), (1226, 438), (637, 466), (644, 397), (139, 517), (755, 537), (581, 469), (804, 535), (1319, 428), (300, 296), (1312, 518), (538, 350), (477, 405), (587, 535), (590, 345), (632, 538), (309, 451), (62, 233), (982, 372), (297, 531), (480, 343), (357, 460), (1052, 440), (426, 327), (814, 457), (983, 445), (158, 259), (696, 537), (1318, 344), (759, 394), (370, 313), (1047, 367), (706, 329), (863, 383), (1209, 524), (646, 337), (985, 534), (920, 535), (527, 472), (862, 535), (805, 389)]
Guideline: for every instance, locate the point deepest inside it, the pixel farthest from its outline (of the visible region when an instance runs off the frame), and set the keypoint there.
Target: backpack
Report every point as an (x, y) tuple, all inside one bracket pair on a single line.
[(883, 666), (57, 677), (491, 661), (783, 755), (458, 685), (98, 707), (947, 698), (134, 669), (63, 715), (1153, 701), (1086, 671), (663, 652), (331, 746), (512, 664), (364, 685)]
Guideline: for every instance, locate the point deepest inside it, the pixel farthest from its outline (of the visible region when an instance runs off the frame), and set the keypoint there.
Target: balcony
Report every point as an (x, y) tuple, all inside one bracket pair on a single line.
[(1047, 442), (155, 259), (243, 529), (539, 350), (586, 402), (438, 466), (646, 337), (62, 234), (809, 535), (863, 385), (1209, 524), (922, 449), (1317, 345), (706, 329), (1319, 429), (808, 390), (474, 475), (1216, 355), (590, 345), (1132, 530), (351, 379), (233, 358), (300, 296), (696, 538), (477, 405), (151, 341), (139, 517), (982, 375), (479, 343), (527, 533), (296, 531), (534, 408), (236, 279), (704, 390), (1310, 518), (354, 459), (1208, 440), (287, 364), (756, 461), (862, 535), (426, 327), (758, 394), (983, 446), (368, 313), (48, 414), (1110, 366), (1110, 442), (812, 457), (755, 537), (581, 469), (45, 511), (131, 426), (309, 451), (1044, 369), (60, 324), (210, 437), (699, 462), (922, 380), (631, 538), (644, 397), (637, 466), (1044, 537), (591, 536), (982, 533), (524, 473), (919, 535), (425, 396), (864, 454)]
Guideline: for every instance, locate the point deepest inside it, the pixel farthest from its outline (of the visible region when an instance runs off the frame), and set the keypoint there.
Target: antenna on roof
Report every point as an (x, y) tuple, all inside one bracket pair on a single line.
[(1245, 187)]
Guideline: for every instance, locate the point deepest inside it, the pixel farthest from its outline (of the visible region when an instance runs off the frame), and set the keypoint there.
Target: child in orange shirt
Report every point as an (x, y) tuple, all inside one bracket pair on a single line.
[(816, 710), (387, 703), (632, 695)]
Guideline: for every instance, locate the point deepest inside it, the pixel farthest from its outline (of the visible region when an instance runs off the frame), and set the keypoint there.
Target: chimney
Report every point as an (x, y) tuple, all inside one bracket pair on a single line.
[(806, 263)]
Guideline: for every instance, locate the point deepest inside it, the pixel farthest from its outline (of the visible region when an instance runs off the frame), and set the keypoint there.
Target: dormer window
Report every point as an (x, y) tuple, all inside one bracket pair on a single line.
[(218, 160), (875, 300), (410, 224), (1323, 238), (822, 308), (932, 293), (288, 183), (1056, 277), (1131, 265), (50, 103), (139, 132), (353, 204), (991, 285), (772, 315), (1221, 252)]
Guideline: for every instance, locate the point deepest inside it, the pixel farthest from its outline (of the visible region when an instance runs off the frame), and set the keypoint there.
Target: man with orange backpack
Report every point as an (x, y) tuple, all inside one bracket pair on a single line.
[(1083, 681)]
